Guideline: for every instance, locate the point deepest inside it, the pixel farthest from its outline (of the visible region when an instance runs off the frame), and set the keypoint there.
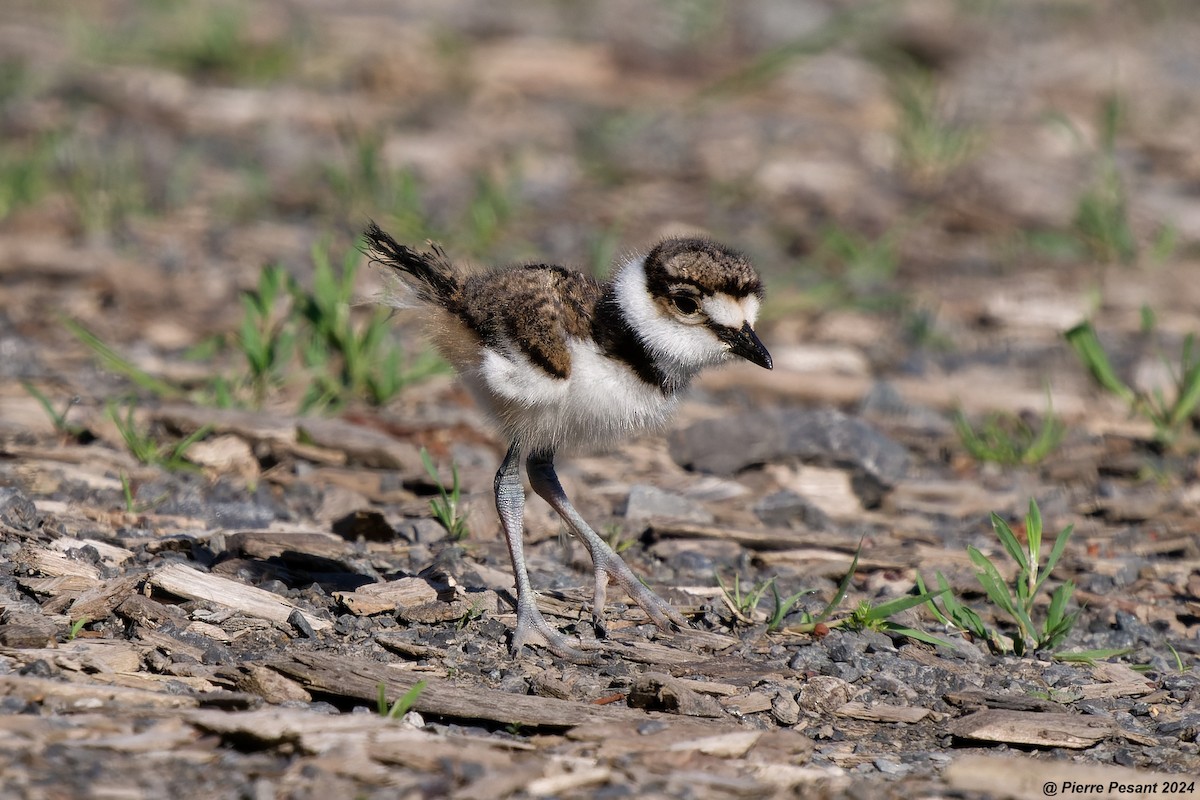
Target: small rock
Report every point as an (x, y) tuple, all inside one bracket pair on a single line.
[(889, 767), (824, 694), (649, 502), (17, 510), (726, 445), (237, 514), (298, 621), (784, 508), (421, 529), (845, 646)]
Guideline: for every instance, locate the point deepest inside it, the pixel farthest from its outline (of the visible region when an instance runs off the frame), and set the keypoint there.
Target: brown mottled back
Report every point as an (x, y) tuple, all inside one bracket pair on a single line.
[(535, 306)]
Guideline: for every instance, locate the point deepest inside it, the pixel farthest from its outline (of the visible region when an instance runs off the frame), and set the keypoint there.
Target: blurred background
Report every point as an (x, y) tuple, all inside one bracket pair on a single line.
[(910, 176)]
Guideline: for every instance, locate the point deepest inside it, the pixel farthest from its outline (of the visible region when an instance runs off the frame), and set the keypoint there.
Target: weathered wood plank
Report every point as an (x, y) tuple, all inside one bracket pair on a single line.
[(83, 695), (882, 712), (358, 680), (1072, 731), (183, 581)]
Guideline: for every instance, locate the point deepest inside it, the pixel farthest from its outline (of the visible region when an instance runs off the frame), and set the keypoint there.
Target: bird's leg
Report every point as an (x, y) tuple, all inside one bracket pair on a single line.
[(510, 504), (605, 560)]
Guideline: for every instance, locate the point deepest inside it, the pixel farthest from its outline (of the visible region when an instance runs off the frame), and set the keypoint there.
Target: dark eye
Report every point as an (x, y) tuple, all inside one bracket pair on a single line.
[(685, 304)]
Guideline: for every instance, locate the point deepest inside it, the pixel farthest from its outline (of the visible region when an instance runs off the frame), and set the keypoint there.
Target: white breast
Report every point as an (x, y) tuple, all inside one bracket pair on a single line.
[(599, 404)]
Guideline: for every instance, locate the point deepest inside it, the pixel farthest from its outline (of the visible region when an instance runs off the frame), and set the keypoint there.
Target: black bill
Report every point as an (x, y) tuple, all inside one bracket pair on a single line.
[(744, 342)]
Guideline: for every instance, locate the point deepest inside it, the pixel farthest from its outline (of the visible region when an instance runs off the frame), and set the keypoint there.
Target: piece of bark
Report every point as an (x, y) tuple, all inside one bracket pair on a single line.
[(784, 708), (1028, 728), (70, 585), (83, 694), (978, 699), (410, 592), (27, 636), (732, 744), (824, 694), (743, 704), (1094, 691), (48, 561), (143, 611), (99, 602), (183, 581), (279, 432), (267, 684), (359, 679), (709, 687), (882, 712), (656, 691), (274, 544), (110, 554), (397, 643)]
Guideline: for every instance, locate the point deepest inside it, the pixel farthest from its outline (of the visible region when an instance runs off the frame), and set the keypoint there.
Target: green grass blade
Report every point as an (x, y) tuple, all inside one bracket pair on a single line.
[(843, 587), (1086, 344), (1011, 545), (893, 607), (1090, 656), (1060, 545), (920, 636), (991, 581), (931, 605), (381, 705), (114, 361), (1189, 395), (1033, 533)]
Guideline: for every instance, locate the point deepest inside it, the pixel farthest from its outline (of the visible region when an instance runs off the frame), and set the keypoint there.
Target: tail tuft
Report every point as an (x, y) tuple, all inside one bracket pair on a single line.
[(430, 276)]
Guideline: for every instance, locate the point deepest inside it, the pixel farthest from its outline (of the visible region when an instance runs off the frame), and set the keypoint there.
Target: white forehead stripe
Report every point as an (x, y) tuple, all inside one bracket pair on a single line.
[(725, 310)]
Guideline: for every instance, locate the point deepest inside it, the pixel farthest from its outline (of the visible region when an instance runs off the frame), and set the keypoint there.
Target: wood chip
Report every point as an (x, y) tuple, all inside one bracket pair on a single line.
[(84, 655), (99, 602), (882, 712), (709, 687), (375, 598), (734, 744), (1016, 702), (659, 692), (226, 453), (47, 561), (359, 680), (183, 581), (268, 684), (576, 779), (110, 554), (1071, 731), (83, 694), (274, 544), (27, 636), (752, 703), (71, 585)]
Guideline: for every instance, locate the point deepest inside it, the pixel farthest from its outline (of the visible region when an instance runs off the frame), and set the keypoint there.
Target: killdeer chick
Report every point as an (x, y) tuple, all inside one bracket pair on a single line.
[(561, 361)]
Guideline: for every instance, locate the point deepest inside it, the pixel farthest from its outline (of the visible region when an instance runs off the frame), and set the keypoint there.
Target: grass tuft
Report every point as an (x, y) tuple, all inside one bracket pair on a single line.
[(1018, 601)]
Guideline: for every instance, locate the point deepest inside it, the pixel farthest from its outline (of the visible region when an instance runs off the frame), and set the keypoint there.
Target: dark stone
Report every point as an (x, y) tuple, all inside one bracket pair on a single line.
[(785, 507), (368, 524), (239, 514), (726, 445), (301, 624), (17, 511)]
